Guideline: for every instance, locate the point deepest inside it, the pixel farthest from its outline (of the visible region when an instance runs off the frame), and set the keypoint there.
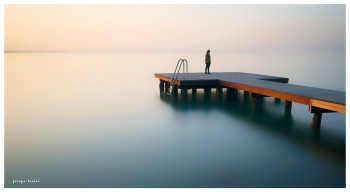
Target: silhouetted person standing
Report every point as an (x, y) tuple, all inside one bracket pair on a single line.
[(207, 62)]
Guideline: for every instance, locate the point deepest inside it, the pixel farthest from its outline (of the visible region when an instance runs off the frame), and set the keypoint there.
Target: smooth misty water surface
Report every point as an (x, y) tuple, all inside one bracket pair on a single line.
[(99, 120)]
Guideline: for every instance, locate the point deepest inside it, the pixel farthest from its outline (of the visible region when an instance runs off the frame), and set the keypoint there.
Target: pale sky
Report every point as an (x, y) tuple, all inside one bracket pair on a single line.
[(229, 28)]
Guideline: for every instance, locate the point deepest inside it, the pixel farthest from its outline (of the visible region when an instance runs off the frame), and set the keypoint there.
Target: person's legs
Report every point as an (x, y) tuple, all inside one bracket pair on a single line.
[(208, 68)]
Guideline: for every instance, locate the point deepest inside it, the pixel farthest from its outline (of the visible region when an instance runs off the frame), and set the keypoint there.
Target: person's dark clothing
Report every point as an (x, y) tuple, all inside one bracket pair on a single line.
[(207, 58), (207, 63)]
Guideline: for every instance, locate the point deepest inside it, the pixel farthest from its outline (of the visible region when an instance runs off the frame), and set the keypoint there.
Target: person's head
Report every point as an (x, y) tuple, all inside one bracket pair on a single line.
[(208, 51)]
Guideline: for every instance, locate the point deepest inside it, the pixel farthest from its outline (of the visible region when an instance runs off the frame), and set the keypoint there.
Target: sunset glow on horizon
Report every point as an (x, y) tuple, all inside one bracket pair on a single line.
[(228, 28)]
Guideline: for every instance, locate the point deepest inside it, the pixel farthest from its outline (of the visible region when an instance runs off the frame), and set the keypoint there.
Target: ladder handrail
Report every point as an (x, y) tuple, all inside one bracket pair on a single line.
[(183, 63), (176, 68), (186, 69)]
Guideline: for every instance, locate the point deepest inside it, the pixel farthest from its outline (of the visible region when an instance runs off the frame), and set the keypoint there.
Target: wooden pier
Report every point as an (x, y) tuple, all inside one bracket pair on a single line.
[(257, 86)]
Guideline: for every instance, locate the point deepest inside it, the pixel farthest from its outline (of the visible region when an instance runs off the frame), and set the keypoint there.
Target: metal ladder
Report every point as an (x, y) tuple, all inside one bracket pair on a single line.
[(181, 63)]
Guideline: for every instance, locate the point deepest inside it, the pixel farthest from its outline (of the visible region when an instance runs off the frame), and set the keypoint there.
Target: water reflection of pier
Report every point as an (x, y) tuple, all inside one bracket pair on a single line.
[(279, 120)]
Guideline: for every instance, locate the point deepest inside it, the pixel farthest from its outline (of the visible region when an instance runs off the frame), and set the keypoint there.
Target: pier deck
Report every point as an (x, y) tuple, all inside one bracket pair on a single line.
[(318, 100)]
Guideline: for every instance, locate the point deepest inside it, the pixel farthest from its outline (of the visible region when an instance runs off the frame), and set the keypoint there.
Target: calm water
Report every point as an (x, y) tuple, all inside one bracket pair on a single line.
[(99, 120)]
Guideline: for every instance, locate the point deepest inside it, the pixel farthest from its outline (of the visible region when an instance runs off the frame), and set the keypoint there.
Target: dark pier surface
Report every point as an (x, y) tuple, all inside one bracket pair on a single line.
[(318, 100)]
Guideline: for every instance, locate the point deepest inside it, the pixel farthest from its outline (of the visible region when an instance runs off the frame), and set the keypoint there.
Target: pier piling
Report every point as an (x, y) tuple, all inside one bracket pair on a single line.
[(316, 120), (246, 93), (277, 101), (288, 104), (175, 90), (194, 91), (183, 91), (207, 91), (161, 84), (256, 99), (219, 92), (166, 87)]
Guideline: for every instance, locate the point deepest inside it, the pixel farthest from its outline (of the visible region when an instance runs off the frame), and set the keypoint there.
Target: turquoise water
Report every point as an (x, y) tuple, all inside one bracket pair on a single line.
[(100, 120)]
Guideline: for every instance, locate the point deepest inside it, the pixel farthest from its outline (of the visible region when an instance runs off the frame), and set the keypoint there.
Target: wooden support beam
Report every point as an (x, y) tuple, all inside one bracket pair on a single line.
[(268, 92), (166, 87), (231, 91), (207, 91), (251, 94), (256, 99), (194, 91), (316, 120), (219, 95), (183, 91), (175, 90), (327, 105), (219, 92), (255, 103), (287, 108), (277, 101), (313, 109), (161, 84), (288, 104), (246, 94), (207, 95)]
